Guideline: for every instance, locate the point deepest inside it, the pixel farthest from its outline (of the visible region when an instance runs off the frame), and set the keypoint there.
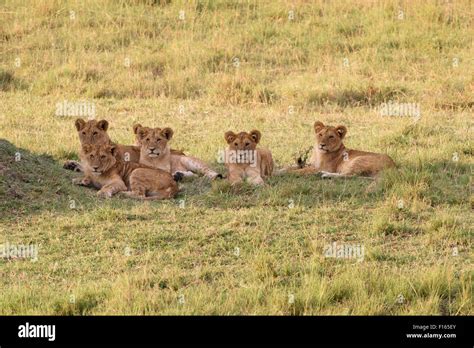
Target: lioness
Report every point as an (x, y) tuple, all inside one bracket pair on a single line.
[(155, 152), (244, 161), (106, 171), (332, 159)]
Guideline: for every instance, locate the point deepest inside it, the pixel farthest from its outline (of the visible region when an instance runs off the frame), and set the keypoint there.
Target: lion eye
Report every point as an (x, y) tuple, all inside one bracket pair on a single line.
[(247, 144), (92, 156), (236, 144), (331, 136), (83, 133), (102, 157), (147, 139), (95, 133)]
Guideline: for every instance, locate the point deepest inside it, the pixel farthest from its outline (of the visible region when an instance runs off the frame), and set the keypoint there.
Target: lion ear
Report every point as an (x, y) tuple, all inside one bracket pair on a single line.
[(141, 132), (167, 133), (229, 136), (80, 123), (341, 130), (256, 136), (318, 126), (103, 124), (136, 127)]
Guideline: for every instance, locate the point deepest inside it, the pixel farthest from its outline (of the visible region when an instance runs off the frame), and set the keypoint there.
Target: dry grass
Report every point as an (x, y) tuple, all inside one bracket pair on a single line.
[(238, 66)]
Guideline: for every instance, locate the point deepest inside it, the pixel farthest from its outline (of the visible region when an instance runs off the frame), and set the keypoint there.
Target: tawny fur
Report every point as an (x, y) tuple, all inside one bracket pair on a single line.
[(254, 172), (156, 153), (94, 132), (331, 158), (105, 170)]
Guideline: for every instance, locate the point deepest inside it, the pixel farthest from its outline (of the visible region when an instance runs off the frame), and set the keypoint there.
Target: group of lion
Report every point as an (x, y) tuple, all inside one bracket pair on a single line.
[(150, 169)]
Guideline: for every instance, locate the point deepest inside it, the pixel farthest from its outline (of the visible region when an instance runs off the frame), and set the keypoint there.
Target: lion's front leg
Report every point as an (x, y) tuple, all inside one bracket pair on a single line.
[(253, 176), (185, 174), (235, 175), (328, 175), (110, 189), (195, 165), (256, 180)]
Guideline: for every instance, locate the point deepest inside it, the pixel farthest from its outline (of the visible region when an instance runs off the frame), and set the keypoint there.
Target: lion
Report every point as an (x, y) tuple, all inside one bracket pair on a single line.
[(332, 159), (244, 161), (156, 153), (105, 170), (95, 132)]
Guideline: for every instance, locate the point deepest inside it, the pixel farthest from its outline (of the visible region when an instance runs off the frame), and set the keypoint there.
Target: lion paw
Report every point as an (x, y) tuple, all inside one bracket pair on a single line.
[(326, 175), (72, 165), (104, 194), (178, 176), (81, 181)]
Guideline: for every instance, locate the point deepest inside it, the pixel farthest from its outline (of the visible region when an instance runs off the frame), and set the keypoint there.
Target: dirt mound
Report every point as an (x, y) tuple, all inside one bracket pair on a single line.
[(29, 181)]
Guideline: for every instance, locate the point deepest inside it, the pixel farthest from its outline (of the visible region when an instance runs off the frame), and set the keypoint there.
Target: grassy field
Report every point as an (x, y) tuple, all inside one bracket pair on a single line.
[(206, 67)]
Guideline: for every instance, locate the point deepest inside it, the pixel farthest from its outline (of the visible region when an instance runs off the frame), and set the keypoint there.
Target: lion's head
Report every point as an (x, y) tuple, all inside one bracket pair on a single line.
[(99, 158), (329, 138), (243, 140), (153, 142), (92, 131), (242, 146)]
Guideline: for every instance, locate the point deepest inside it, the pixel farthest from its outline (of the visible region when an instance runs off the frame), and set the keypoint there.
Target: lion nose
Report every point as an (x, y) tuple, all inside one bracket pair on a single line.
[(152, 148), (322, 144), (95, 168)]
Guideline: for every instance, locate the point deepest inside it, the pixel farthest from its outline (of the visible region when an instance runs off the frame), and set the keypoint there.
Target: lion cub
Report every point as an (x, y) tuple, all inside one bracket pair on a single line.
[(244, 161), (156, 153), (332, 159), (104, 169), (94, 132)]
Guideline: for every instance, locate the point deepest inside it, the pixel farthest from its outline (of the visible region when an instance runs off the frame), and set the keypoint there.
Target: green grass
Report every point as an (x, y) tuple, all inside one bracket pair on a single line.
[(216, 249)]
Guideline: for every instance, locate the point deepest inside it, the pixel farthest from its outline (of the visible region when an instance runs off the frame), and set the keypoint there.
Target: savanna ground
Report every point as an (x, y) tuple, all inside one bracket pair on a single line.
[(219, 66)]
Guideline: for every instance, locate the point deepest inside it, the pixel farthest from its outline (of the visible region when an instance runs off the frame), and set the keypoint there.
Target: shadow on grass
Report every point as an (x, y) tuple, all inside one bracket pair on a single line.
[(443, 182), (31, 183), (8, 82), (290, 190)]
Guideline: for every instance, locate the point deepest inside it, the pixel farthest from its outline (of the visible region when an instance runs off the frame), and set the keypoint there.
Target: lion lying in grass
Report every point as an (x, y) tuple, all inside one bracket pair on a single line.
[(156, 153), (332, 159), (244, 161), (105, 170), (94, 132)]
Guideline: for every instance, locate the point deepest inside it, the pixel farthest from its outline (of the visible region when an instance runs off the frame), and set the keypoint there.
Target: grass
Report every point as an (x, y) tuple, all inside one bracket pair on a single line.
[(238, 66)]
